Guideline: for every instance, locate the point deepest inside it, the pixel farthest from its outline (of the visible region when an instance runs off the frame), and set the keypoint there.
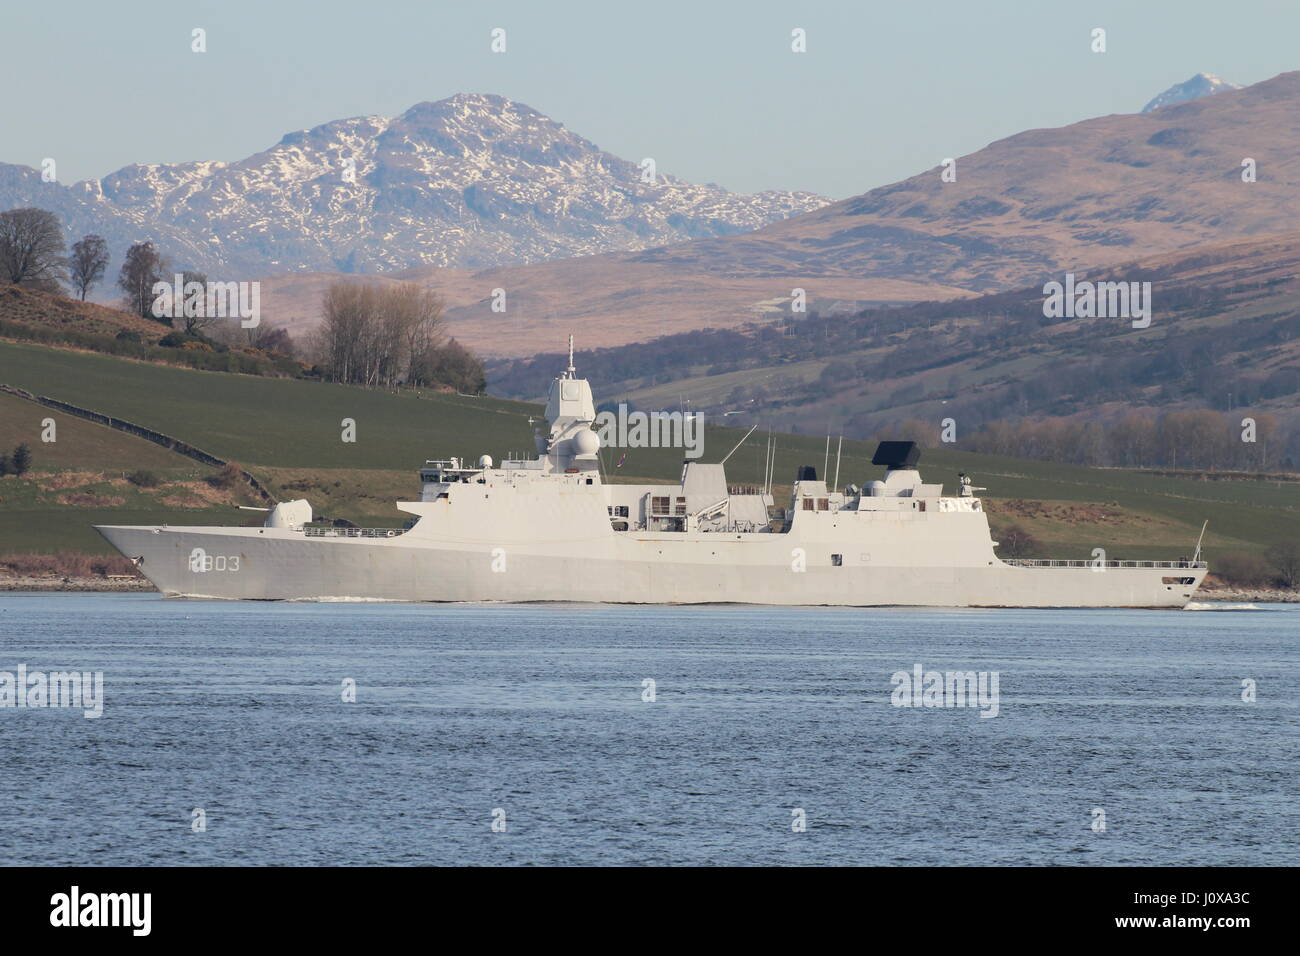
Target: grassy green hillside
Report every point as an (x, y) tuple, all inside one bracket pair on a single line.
[(287, 432), (269, 421), (79, 480), (77, 441)]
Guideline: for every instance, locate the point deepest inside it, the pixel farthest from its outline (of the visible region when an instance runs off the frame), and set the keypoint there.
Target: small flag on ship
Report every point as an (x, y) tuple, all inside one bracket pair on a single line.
[(621, 458)]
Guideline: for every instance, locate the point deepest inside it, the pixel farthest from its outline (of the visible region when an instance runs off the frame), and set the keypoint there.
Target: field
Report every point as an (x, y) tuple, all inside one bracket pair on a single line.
[(80, 479), (289, 434)]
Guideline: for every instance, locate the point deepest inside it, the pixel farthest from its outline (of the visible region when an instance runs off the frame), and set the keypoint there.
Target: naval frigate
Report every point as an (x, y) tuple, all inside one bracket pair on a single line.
[(550, 528)]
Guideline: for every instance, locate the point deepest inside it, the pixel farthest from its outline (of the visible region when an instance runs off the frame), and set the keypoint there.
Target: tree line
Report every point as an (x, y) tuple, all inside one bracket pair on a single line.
[(32, 253), (388, 335), (370, 335)]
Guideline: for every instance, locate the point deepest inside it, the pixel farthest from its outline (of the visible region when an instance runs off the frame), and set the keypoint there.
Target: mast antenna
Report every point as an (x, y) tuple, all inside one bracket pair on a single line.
[(838, 448), (771, 462), (738, 444), (1197, 556), (767, 462), (572, 370)]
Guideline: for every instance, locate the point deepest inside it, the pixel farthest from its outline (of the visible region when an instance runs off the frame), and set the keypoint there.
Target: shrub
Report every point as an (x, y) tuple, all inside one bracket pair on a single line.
[(188, 340), (21, 460), (229, 476), (1241, 570), (1015, 542), (143, 478), (1284, 558)]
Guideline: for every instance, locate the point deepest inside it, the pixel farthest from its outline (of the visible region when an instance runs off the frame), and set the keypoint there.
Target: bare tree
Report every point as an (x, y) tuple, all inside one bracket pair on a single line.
[(87, 263), (380, 335), (1285, 559), (191, 315), (417, 314), (142, 267), (31, 248), (346, 312)]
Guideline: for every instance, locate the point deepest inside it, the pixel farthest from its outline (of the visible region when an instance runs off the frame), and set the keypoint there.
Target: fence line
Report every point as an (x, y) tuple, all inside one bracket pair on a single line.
[(148, 434)]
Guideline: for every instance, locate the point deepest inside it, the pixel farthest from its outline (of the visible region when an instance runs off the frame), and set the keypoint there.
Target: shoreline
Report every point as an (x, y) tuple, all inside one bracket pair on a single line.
[(32, 582), (52, 584), (1248, 595)]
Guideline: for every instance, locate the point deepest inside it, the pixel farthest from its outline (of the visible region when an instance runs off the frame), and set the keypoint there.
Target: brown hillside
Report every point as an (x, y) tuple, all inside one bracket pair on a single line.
[(1096, 193), (46, 309)]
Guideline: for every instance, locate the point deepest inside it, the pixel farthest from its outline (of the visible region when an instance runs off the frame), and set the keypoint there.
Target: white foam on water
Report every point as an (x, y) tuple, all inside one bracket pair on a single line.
[(1223, 606)]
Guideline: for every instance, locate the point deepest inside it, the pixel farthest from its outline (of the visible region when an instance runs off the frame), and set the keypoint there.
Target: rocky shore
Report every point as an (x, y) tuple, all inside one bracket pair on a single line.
[(1249, 595), (46, 582)]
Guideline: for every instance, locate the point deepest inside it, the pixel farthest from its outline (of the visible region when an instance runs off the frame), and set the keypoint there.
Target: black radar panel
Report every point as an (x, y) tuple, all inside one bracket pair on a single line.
[(897, 454)]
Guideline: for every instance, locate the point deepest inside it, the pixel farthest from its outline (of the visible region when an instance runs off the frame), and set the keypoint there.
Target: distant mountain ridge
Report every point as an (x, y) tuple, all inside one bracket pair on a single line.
[(1202, 84), (1023, 209), (471, 181)]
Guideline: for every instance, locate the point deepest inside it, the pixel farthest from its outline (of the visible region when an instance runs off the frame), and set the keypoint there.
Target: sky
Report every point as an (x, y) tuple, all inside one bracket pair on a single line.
[(711, 90)]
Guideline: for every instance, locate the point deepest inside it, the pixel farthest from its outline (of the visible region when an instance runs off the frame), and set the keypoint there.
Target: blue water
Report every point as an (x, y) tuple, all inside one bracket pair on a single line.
[(538, 710)]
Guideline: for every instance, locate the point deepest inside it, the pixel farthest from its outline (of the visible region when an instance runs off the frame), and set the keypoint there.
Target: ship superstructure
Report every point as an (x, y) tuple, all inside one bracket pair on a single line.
[(551, 528)]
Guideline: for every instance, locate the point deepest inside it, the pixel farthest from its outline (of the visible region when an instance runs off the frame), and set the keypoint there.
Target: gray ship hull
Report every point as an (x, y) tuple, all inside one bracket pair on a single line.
[(283, 564)]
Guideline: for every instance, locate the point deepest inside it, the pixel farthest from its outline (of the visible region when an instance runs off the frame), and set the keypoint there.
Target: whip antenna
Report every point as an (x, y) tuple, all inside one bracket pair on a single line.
[(738, 444)]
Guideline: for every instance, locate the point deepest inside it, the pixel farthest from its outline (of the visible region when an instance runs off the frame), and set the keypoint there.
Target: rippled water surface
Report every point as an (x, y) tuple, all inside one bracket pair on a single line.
[(538, 711)]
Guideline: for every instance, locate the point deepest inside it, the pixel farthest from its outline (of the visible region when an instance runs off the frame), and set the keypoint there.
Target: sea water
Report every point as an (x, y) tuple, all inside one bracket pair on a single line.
[(254, 733)]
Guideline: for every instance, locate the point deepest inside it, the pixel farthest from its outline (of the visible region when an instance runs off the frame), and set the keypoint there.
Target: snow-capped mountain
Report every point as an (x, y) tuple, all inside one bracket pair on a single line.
[(471, 181), (1202, 84)]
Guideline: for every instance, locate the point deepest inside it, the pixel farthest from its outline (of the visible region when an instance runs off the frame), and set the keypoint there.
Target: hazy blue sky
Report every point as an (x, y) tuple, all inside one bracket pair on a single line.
[(709, 89)]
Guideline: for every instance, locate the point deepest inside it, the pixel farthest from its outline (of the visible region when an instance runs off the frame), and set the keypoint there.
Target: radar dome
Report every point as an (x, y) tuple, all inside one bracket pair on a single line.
[(586, 442), (485, 461)]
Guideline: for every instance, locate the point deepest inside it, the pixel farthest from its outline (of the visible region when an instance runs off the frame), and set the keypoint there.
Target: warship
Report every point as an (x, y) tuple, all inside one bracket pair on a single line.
[(551, 528)]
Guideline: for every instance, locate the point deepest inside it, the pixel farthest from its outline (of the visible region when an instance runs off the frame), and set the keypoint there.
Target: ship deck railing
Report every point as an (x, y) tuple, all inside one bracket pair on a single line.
[(353, 532), (1053, 563)]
